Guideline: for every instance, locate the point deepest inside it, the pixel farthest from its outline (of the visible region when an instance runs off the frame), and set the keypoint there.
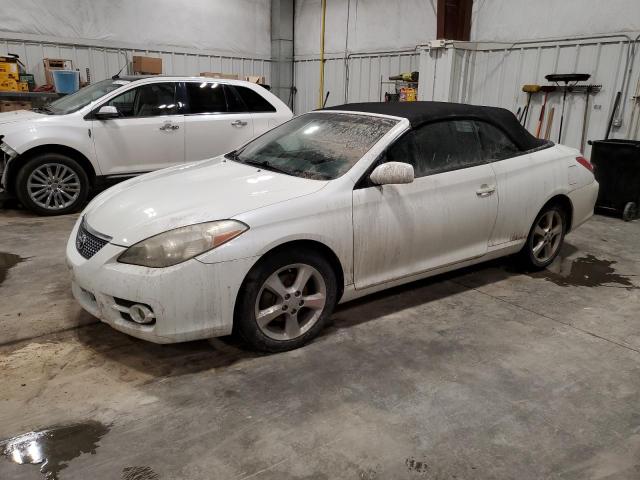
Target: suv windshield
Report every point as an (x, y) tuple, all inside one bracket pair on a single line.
[(84, 96), (321, 146)]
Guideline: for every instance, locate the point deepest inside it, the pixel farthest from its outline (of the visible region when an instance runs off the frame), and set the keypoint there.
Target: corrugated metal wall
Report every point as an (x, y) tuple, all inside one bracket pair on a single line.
[(361, 73), (491, 74), (105, 61)]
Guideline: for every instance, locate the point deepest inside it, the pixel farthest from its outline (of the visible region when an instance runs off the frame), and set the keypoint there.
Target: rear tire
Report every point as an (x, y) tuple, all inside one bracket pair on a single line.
[(545, 238), (285, 301), (52, 184)]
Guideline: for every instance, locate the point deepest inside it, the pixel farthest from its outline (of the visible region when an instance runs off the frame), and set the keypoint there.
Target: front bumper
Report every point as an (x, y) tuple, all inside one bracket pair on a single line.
[(190, 301)]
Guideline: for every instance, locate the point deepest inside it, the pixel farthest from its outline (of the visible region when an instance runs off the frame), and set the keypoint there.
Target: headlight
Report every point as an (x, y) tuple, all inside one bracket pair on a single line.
[(175, 246)]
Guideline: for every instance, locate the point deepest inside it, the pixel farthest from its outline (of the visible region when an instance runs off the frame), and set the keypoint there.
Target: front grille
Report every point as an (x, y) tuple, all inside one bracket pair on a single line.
[(87, 243)]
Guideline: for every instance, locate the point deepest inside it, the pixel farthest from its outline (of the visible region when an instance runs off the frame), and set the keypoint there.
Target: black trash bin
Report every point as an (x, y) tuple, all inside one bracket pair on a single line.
[(617, 169)]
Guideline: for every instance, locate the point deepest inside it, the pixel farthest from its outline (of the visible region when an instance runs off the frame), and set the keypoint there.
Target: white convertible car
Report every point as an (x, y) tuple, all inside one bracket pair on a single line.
[(330, 206)]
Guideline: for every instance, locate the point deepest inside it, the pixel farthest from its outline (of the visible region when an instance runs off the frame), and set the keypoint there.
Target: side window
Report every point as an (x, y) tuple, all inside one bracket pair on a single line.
[(495, 144), (438, 147), (404, 150), (147, 101), (206, 97), (253, 100)]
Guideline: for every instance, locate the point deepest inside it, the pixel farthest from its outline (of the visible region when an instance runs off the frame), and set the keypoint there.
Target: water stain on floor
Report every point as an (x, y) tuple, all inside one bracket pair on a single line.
[(7, 261), (587, 271), (54, 447)]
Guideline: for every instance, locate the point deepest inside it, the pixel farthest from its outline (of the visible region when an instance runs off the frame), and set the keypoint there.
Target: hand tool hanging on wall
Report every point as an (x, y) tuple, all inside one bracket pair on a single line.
[(529, 90), (547, 132), (616, 104), (583, 138), (566, 78), (546, 89)]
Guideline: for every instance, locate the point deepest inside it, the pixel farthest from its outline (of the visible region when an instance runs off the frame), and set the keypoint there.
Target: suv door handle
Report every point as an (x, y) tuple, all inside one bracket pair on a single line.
[(238, 123), (485, 190)]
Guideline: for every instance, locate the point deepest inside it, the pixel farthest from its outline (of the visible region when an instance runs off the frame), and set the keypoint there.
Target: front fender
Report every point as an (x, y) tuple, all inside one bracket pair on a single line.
[(24, 137)]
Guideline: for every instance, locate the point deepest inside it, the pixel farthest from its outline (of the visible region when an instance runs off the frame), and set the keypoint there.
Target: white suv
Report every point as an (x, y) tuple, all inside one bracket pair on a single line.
[(125, 126)]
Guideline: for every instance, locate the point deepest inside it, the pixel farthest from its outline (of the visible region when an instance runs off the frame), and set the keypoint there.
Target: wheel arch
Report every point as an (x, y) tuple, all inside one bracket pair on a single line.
[(17, 163), (313, 246), (565, 203)]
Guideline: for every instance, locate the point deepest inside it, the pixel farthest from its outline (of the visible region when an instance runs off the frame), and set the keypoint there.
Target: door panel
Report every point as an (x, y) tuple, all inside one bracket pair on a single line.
[(208, 135), (149, 136), (216, 124), (524, 184), (441, 219)]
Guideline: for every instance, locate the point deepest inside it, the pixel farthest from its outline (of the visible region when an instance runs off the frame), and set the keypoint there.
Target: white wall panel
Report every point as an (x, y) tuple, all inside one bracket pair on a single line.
[(362, 74), (372, 25), (237, 28), (508, 20), (493, 74), (104, 62)]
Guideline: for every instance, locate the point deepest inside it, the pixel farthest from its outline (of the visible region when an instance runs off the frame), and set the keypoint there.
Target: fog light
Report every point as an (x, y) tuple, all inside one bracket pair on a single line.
[(141, 313)]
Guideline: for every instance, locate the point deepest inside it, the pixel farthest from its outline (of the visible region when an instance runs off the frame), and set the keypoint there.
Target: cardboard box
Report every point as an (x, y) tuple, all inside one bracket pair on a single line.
[(11, 106), (147, 65), (228, 76), (255, 79), (55, 64)]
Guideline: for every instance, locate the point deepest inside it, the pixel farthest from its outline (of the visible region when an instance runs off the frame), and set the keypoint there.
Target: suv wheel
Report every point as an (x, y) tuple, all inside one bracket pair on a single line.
[(52, 184)]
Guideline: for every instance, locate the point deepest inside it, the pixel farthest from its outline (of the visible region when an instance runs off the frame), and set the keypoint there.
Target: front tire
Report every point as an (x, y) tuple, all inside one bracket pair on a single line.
[(545, 238), (52, 184), (285, 301)]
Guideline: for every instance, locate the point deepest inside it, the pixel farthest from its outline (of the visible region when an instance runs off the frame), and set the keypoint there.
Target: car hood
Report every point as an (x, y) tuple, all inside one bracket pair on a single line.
[(196, 192), (18, 116)]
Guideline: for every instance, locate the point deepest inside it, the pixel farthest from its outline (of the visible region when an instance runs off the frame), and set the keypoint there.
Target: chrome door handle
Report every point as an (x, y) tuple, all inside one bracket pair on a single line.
[(485, 190), (238, 123)]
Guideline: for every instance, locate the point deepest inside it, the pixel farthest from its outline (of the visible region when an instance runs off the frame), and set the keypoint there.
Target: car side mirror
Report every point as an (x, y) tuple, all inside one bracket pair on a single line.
[(392, 173), (106, 112)]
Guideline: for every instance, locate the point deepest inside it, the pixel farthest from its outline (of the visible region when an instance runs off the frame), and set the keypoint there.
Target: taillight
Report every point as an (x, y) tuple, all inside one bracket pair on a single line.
[(585, 163)]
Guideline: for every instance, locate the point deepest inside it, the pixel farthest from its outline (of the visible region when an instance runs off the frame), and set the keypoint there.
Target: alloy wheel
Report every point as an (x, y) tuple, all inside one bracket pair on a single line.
[(547, 236), (290, 302), (53, 186)]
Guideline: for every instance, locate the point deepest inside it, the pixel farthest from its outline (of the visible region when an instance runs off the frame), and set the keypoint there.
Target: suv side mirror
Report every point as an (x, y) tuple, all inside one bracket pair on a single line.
[(391, 173), (106, 112)]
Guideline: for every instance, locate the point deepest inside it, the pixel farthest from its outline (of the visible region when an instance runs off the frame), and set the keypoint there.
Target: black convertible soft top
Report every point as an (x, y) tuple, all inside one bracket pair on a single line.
[(419, 113)]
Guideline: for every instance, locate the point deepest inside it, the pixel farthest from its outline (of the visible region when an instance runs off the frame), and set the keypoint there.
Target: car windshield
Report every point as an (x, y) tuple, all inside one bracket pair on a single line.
[(320, 146), (74, 102)]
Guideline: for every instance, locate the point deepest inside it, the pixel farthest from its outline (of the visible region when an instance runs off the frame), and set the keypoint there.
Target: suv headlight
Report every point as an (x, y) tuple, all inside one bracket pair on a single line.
[(176, 246)]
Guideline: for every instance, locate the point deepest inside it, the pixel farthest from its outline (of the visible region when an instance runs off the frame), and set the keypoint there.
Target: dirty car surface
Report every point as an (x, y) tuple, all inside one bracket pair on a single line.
[(269, 237)]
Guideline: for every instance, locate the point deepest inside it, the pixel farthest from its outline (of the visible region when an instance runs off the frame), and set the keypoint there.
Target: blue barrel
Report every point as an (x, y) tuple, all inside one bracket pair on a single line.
[(66, 81)]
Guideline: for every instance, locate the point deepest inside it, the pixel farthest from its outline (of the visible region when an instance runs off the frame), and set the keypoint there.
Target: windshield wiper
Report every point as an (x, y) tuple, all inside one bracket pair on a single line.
[(265, 164), (44, 109)]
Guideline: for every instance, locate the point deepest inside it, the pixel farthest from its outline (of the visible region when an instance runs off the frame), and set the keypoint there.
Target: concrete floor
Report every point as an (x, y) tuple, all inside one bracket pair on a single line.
[(483, 373)]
